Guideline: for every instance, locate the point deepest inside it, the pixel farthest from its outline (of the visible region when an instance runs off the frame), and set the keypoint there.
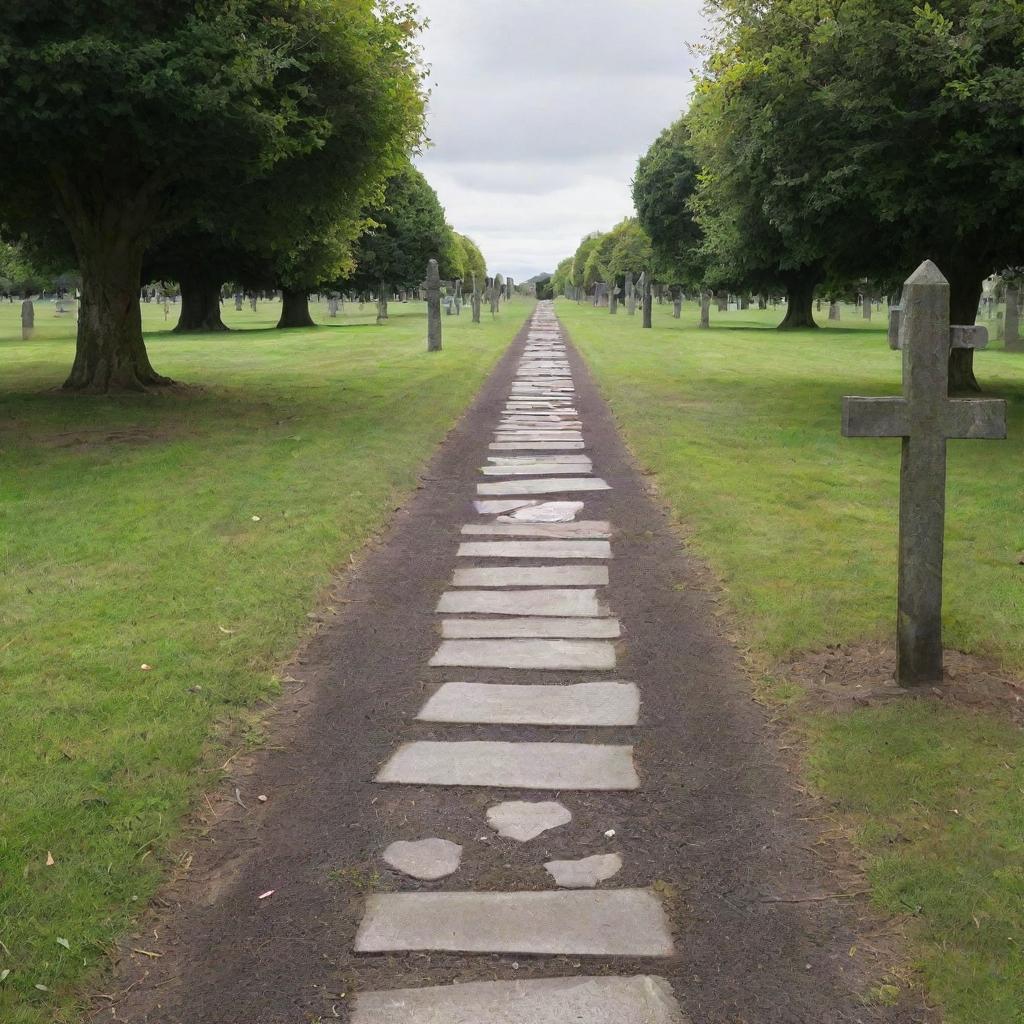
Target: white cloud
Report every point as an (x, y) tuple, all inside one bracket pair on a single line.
[(540, 110)]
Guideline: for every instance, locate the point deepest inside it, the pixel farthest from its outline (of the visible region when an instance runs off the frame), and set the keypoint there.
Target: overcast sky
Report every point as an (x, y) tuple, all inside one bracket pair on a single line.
[(539, 111)]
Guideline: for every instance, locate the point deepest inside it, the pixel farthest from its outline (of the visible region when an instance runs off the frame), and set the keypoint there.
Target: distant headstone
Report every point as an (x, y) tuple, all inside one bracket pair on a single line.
[(332, 305), (239, 297), (925, 418), (252, 302), (1011, 322), (433, 289), (613, 298), (677, 303), (475, 300), (28, 319), (867, 306), (630, 295)]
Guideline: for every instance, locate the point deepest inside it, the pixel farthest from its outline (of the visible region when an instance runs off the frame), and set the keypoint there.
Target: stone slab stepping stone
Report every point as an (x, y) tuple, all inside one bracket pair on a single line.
[(582, 766), (611, 922), (585, 873), (538, 469), (598, 704), (559, 485), (560, 603), (533, 576), (603, 1000), (537, 446), (544, 512), (524, 820), (583, 529), (532, 460), (526, 626), (427, 859), (501, 505), (535, 549), (540, 655)]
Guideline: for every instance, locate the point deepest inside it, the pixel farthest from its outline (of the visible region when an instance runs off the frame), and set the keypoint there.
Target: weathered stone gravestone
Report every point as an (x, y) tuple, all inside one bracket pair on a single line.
[(433, 290), (238, 301), (458, 296), (28, 319), (705, 308), (475, 300), (1011, 322), (613, 298), (833, 310), (630, 295), (866, 300), (677, 303), (925, 418)]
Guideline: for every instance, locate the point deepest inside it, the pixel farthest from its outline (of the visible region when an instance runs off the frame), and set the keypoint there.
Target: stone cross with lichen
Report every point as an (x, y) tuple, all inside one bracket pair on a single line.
[(925, 418)]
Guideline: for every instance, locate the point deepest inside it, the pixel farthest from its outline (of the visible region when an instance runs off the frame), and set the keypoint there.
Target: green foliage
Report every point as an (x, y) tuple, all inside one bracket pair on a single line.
[(406, 230), (663, 189), (475, 262), (562, 277), (858, 137), (631, 251), (582, 255)]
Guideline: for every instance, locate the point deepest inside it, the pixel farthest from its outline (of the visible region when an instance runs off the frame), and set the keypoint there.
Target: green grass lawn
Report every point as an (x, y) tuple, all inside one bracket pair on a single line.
[(190, 532), (740, 426)]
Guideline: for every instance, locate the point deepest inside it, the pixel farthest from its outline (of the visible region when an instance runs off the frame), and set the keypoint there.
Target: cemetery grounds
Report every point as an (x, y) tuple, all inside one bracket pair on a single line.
[(739, 429), (189, 532)]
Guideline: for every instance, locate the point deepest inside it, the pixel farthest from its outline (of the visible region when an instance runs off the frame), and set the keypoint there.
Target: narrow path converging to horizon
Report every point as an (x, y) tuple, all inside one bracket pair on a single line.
[(528, 784)]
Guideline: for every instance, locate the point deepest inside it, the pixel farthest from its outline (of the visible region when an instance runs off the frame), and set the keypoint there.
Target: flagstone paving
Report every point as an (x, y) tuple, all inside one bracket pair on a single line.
[(579, 704), (677, 850)]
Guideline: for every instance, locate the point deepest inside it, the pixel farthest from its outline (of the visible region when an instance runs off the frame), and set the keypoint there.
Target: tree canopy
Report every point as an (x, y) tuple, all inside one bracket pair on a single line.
[(663, 189), (406, 229), (852, 138), (158, 104)]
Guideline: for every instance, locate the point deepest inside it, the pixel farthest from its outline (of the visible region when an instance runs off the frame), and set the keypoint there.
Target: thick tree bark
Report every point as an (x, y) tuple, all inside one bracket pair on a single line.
[(295, 308), (965, 289), (799, 300), (200, 304), (648, 304), (110, 354)]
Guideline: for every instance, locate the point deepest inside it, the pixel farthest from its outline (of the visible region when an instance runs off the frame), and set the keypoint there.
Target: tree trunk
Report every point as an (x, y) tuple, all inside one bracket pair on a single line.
[(613, 300), (648, 303), (110, 354), (799, 301), (200, 304), (705, 309), (1011, 321), (964, 295), (295, 308)]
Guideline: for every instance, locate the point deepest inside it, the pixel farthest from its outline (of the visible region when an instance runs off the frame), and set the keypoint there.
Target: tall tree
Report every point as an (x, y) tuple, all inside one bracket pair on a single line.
[(406, 229), (154, 103), (663, 191), (852, 138)]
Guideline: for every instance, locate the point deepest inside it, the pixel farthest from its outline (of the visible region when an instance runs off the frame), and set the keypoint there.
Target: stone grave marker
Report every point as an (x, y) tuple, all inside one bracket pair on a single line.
[(433, 289), (925, 417), (28, 319)]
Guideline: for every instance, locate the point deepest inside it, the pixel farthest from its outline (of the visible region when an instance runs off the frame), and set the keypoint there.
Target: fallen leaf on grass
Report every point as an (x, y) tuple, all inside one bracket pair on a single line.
[(4, 975), (146, 668), (64, 943), (230, 632), (149, 953), (49, 859), (269, 892)]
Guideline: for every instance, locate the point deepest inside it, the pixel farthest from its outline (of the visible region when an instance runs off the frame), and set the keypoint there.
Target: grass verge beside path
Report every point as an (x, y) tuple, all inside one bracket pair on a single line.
[(190, 532), (740, 427)]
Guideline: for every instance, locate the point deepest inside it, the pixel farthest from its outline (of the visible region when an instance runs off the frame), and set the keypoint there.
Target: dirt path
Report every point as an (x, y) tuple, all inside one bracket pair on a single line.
[(714, 838)]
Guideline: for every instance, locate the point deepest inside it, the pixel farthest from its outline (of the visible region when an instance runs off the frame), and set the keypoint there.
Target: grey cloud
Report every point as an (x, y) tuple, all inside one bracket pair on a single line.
[(540, 110)]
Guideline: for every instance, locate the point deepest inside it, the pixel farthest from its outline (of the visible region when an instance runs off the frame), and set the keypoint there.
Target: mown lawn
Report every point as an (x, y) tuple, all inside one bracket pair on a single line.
[(190, 532), (740, 427)]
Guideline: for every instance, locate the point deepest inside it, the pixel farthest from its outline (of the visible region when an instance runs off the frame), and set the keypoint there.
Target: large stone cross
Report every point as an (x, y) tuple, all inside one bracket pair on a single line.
[(433, 289), (925, 417)]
